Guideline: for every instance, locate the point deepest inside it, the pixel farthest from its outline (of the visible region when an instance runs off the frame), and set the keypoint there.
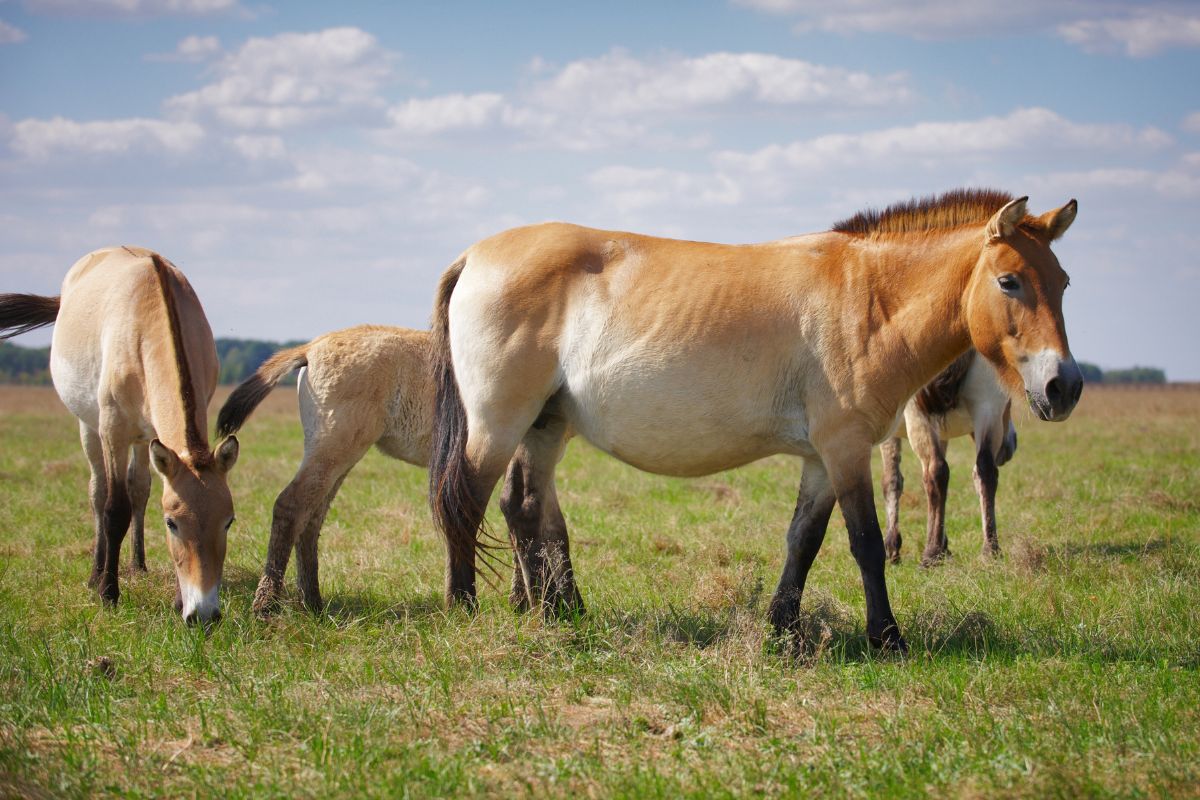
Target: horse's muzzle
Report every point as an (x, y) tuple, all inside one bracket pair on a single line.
[(1053, 387)]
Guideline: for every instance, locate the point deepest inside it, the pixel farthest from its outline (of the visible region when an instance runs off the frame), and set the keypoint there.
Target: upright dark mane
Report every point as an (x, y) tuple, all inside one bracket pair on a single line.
[(197, 443), (949, 210)]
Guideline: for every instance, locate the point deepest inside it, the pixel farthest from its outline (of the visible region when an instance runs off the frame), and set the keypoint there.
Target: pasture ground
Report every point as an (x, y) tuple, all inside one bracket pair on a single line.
[(1069, 667)]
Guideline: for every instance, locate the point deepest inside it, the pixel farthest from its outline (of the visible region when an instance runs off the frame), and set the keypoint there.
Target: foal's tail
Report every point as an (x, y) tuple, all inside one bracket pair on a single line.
[(457, 510), (22, 313), (252, 391)]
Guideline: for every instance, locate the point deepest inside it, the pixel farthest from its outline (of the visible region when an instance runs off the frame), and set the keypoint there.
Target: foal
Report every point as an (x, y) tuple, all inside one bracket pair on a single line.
[(965, 398), (133, 358), (686, 358), (358, 387)]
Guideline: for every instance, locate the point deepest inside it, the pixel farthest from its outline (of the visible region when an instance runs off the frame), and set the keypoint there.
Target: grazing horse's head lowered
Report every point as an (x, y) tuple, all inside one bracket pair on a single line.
[(197, 510), (1014, 308)]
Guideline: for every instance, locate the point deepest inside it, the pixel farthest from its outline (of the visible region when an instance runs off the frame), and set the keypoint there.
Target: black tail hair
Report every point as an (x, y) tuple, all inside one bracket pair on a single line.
[(453, 499), (22, 313), (252, 391)]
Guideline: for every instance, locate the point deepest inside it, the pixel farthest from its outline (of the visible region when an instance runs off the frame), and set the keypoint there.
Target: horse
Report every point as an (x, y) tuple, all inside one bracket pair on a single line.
[(685, 358), (965, 398), (133, 358), (358, 387)]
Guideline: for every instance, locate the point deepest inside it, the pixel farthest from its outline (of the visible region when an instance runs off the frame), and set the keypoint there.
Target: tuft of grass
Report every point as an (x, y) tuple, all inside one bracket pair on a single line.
[(1065, 667)]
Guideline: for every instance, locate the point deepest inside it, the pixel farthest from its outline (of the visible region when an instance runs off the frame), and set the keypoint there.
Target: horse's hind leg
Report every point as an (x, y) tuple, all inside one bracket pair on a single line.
[(307, 564), (987, 479), (98, 496), (117, 513), (814, 504), (138, 480), (935, 474), (893, 488), (542, 574)]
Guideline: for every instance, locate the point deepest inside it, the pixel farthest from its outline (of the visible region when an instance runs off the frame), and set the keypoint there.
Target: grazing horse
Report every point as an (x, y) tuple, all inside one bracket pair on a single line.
[(686, 358), (358, 387), (965, 398), (133, 358)]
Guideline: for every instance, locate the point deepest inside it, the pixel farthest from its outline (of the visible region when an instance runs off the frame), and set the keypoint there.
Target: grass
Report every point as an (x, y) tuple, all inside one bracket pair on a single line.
[(1067, 667)]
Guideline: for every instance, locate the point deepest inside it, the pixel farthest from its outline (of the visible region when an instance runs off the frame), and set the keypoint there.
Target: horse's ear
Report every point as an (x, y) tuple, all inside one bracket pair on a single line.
[(1057, 221), (227, 454), (164, 459), (1004, 221)]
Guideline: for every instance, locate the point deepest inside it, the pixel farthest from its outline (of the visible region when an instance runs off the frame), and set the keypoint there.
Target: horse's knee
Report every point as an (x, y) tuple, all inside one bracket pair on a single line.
[(936, 477)]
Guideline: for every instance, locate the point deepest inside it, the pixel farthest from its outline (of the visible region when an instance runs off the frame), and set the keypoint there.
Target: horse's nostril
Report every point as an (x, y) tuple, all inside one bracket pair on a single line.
[(1054, 393)]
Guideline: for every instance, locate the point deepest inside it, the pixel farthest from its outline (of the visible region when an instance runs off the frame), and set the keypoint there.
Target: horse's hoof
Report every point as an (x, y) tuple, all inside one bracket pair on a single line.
[(889, 642), (935, 559), (266, 599)]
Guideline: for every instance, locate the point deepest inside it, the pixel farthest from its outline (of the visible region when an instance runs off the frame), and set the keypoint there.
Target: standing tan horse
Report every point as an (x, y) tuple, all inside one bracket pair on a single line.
[(133, 358), (965, 398), (358, 387), (685, 358)]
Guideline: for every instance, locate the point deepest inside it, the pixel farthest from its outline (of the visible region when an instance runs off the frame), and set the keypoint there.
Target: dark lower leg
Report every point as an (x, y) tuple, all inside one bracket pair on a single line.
[(987, 479), (116, 522), (543, 576), (893, 488), (138, 481), (866, 544), (288, 518), (307, 560), (814, 504), (937, 480)]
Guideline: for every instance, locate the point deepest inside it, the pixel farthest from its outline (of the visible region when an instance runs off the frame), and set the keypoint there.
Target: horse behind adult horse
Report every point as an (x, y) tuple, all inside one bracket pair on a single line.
[(965, 398), (685, 358), (133, 358)]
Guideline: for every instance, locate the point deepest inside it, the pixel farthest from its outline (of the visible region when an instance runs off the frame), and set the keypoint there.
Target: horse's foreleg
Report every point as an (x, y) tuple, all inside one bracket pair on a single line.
[(851, 479), (116, 515), (98, 496), (138, 480), (893, 488), (814, 504), (987, 479), (542, 572)]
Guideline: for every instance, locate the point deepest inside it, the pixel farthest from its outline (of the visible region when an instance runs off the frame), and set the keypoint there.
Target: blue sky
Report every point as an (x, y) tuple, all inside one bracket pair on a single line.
[(316, 165)]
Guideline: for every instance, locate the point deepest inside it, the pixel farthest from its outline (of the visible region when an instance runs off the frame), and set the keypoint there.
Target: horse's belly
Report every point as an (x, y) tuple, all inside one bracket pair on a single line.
[(673, 424)]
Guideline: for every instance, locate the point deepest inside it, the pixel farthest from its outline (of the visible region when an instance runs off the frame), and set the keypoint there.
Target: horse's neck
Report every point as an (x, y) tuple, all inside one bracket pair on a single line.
[(921, 280), (177, 407)]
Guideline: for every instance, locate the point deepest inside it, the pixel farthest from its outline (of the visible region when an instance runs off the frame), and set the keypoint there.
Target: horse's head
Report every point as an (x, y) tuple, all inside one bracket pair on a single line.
[(1014, 308), (198, 511)]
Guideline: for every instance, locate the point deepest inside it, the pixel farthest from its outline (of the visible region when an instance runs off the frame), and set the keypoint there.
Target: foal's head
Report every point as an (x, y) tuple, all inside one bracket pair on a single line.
[(198, 511), (1014, 308)]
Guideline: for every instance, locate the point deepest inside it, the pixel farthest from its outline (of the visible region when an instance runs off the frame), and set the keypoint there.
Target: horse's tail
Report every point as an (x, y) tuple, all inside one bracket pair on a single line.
[(252, 391), (22, 313), (452, 496)]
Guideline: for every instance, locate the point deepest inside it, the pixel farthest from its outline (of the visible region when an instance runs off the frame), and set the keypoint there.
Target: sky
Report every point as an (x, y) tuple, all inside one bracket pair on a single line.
[(312, 166)]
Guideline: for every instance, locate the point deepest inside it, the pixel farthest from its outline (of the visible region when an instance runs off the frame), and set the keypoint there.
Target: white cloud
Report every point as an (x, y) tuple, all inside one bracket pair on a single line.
[(618, 84), (433, 115), (40, 138), (1191, 123), (130, 8), (1023, 129), (192, 49), (1137, 30), (631, 189), (259, 148), (11, 34), (1170, 184), (293, 79), (1143, 34)]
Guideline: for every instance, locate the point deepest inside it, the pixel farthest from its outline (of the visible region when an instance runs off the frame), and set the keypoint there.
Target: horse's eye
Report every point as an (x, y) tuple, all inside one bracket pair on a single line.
[(171, 526), (229, 524), (1008, 283)]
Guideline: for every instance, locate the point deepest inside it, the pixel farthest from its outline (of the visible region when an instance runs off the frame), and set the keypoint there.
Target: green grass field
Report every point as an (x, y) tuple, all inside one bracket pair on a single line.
[(1069, 667)]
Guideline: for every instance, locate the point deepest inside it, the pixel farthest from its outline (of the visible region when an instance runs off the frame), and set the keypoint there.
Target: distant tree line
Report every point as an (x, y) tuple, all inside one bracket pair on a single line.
[(1093, 374), (239, 358)]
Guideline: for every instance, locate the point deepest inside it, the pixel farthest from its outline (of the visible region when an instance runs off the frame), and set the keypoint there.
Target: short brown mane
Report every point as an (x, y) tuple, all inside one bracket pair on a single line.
[(951, 209)]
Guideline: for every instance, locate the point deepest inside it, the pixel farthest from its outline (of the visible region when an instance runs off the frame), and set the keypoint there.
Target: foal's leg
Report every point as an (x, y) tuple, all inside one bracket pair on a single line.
[(893, 488), (542, 576), (330, 451), (935, 473), (306, 551), (849, 466), (814, 504), (98, 495), (138, 480)]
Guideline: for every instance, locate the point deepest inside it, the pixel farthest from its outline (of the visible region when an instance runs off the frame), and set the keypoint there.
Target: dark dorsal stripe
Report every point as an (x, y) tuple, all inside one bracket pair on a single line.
[(941, 395), (949, 210), (197, 444)]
